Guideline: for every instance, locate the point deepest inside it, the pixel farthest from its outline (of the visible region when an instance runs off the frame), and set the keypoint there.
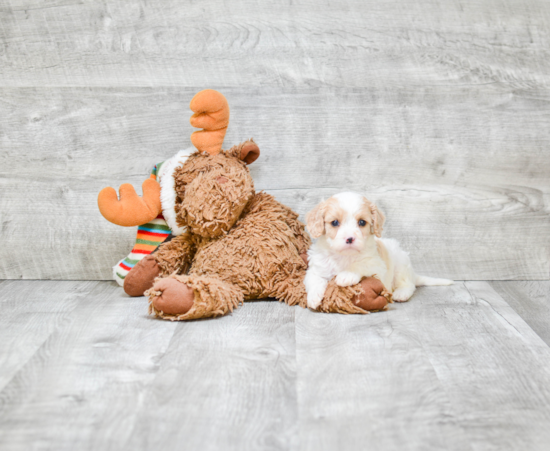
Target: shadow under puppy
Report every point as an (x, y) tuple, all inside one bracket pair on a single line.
[(349, 246)]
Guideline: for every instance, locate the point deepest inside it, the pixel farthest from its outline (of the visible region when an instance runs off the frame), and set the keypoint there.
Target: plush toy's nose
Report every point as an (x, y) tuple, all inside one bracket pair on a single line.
[(350, 240)]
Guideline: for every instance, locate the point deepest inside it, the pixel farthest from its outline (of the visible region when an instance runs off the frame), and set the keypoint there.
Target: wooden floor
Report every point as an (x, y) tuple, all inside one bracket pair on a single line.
[(82, 366)]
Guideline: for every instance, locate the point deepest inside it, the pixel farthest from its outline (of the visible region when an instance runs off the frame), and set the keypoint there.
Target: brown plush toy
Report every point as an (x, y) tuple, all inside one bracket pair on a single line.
[(231, 244)]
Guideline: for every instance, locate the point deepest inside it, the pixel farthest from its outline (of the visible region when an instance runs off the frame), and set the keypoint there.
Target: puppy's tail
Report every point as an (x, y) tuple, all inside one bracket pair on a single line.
[(431, 281)]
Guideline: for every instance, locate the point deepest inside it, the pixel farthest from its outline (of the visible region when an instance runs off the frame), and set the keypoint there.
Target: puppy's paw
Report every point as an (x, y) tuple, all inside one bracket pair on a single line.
[(315, 296), (402, 294), (347, 279)]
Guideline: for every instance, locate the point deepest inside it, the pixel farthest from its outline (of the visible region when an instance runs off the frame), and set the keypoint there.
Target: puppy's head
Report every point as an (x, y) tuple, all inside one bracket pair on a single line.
[(348, 220)]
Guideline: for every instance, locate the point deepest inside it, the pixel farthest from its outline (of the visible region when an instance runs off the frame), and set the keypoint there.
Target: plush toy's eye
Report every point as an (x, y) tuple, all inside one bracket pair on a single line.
[(362, 223), (335, 223)]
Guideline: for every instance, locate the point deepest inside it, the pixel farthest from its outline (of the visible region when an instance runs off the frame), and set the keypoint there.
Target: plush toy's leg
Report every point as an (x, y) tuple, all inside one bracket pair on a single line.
[(291, 289), (149, 237), (367, 295), (172, 256), (191, 297), (176, 255), (142, 276)]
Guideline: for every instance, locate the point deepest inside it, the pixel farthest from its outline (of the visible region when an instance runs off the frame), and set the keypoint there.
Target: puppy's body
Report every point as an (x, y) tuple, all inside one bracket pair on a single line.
[(348, 228)]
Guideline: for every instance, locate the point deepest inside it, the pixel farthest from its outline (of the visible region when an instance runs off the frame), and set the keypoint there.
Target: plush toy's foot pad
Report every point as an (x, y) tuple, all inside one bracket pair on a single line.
[(141, 277), (172, 297), (374, 296), (367, 296)]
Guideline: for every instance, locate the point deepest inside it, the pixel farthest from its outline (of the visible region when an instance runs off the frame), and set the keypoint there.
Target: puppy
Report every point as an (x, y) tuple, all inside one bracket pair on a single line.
[(349, 247)]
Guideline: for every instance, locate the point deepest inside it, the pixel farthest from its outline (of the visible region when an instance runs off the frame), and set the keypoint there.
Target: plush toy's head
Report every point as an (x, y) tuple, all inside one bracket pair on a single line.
[(212, 190), (212, 186)]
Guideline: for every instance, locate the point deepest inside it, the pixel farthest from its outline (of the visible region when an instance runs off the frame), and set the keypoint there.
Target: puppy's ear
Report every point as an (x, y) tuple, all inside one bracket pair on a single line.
[(315, 220), (378, 220)]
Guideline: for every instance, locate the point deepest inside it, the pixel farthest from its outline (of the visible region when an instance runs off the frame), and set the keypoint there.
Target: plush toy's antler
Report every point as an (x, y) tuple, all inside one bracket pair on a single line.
[(211, 114), (131, 210)]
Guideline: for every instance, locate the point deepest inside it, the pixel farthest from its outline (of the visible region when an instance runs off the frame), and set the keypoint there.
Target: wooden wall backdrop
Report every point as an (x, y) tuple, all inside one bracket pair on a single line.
[(436, 109)]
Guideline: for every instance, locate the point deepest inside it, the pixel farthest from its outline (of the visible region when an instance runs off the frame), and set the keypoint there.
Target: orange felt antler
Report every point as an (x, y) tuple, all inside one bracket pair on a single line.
[(131, 210), (211, 114)]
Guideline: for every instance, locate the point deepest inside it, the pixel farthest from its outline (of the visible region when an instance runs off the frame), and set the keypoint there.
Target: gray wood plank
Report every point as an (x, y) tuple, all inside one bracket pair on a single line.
[(455, 368), (493, 369), (366, 381), (531, 301), (31, 312), (302, 43), (84, 384), (465, 206), (228, 383)]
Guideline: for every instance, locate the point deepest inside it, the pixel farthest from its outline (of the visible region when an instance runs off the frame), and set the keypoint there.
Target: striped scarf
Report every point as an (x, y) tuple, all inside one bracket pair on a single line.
[(149, 237)]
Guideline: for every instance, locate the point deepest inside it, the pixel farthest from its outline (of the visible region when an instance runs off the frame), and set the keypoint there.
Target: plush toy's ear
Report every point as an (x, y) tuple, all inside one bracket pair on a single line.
[(211, 114), (378, 220), (249, 152), (315, 220)]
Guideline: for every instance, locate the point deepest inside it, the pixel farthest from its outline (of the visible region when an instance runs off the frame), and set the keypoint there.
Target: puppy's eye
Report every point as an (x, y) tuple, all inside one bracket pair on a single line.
[(335, 223), (362, 223)]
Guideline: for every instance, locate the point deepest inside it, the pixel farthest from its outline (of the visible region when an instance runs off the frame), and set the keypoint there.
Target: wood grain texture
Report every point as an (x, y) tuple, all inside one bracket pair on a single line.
[(349, 43), (455, 368), (31, 312), (436, 110), (90, 372), (465, 207), (367, 380), (530, 300), (82, 366), (108, 376), (228, 383)]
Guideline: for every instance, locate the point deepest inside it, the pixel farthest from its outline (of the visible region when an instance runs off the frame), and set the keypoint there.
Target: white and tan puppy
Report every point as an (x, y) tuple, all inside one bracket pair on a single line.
[(348, 227)]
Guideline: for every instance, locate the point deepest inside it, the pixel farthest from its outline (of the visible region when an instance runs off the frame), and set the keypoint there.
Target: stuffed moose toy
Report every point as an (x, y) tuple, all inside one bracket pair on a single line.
[(222, 243)]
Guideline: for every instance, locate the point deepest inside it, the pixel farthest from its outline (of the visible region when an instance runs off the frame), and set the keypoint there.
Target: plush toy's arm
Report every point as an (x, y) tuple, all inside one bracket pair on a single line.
[(368, 295), (175, 256), (131, 210)]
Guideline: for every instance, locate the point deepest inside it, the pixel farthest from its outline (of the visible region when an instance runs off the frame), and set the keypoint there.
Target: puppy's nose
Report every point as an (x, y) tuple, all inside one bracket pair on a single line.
[(350, 240)]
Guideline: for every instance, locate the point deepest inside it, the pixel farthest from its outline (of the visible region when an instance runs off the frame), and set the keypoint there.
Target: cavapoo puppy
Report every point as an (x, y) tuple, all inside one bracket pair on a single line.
[(348, 227)]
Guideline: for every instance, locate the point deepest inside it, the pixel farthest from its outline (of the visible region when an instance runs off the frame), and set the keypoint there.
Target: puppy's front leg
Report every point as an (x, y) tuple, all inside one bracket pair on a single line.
[(347, 278), (315, 289), (386, 278), (352, 275)]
